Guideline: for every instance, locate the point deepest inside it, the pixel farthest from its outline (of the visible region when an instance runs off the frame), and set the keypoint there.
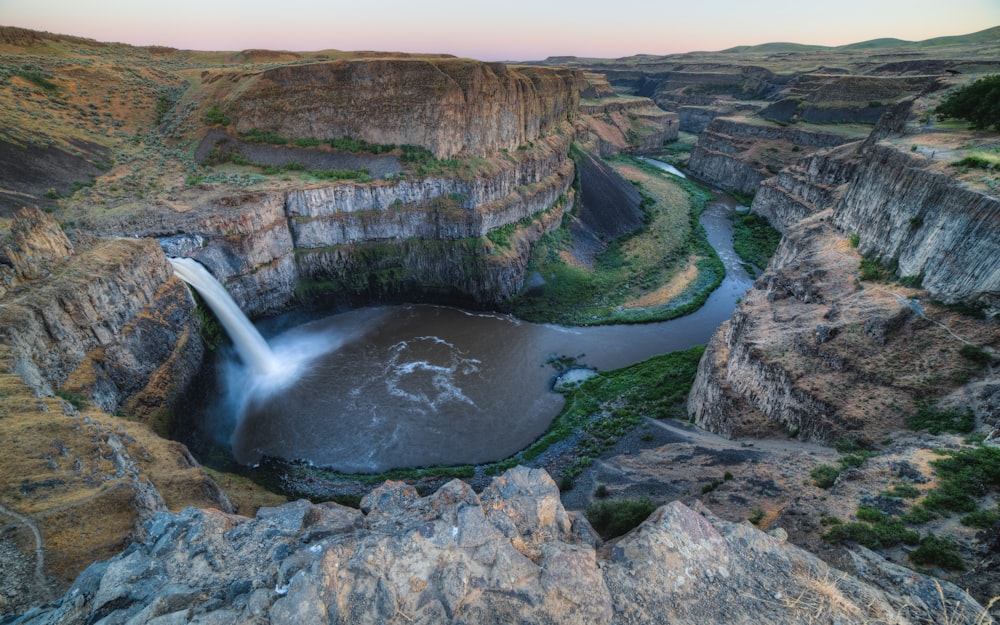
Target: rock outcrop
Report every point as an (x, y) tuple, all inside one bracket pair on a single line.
[(739, 154), (508, 554), (450, 106), (810, 338), (100, 324), (906, 212), (617, 124)]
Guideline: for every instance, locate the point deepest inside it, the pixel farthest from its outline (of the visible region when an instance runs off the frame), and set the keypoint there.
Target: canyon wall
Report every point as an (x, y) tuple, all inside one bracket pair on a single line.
[(739, 154), (905, 211), (617, 124), (815, 352), (449, 106)]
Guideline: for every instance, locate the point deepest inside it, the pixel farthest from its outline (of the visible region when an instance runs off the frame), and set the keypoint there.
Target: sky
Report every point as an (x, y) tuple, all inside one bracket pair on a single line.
[(499, 30)]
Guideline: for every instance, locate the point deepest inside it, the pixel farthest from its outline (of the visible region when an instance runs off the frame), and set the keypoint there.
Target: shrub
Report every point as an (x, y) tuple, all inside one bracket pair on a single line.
[(976, 354), (707, 488), (978, 103), (934, 551), (937, 421), (824, 475), (754, 239), (76, 400), (601, 492), (215, 116), (879, 535), (615, 517), (983, 519), (854, 240), (263, 136), (902, 491)]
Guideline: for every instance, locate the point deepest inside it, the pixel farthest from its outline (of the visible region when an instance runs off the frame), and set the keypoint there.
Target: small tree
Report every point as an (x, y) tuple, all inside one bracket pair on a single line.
[(978, 103)]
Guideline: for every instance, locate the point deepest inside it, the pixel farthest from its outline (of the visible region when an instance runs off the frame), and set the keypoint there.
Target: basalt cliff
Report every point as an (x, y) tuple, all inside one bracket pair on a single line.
[(305, 179)]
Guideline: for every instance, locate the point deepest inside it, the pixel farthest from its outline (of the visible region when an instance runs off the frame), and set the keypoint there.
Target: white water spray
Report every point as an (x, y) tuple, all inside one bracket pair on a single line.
[(252, 347)]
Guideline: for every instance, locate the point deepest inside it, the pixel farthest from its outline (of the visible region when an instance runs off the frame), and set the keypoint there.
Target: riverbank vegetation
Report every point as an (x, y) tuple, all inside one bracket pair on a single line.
[(754, 239), (663, 270)]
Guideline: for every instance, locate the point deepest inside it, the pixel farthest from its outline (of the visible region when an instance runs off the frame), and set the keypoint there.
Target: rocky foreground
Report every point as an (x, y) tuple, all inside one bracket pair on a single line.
[(509, 554)]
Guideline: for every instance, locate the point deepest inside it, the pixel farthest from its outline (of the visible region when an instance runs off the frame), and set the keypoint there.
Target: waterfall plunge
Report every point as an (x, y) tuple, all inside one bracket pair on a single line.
[(250, 345)]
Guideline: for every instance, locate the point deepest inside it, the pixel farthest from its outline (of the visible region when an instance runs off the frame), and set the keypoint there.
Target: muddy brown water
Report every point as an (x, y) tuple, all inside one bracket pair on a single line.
[(419, 385)]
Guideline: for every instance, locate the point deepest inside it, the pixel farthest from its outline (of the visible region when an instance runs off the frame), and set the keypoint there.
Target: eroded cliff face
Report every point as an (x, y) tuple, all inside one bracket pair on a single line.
[(105, 326), (815, 351), (449, 106), (615, 124), (904, 209), (739, 154), (510, 553)]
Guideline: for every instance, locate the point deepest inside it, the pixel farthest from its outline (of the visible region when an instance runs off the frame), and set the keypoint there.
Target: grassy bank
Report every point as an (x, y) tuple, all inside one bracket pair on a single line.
[(664, 270), (754, 239)]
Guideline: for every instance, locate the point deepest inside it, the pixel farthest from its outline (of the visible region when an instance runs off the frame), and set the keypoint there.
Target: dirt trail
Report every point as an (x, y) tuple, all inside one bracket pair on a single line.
[(40, 580)]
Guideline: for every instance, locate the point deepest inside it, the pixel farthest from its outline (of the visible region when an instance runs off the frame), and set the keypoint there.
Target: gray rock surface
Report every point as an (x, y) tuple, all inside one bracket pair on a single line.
[(510, 554)]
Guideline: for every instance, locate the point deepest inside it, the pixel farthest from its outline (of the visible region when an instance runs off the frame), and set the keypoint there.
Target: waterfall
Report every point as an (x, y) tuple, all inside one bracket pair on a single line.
[(250, 345)]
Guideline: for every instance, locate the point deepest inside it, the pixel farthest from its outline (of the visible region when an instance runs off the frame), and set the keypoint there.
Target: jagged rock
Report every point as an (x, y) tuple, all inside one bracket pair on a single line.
[(509, 554), (37, 243)]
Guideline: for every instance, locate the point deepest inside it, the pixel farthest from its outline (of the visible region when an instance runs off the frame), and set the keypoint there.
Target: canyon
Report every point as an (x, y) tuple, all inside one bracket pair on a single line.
[(441, 175)]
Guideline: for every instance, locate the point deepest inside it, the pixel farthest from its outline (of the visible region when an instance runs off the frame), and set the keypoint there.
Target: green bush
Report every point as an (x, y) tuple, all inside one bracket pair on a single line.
[(75, 399), (978, 103), (754, 239), (983, 519), (934, 551), (936, 421), (215, 116), (902, 491), (976, 354), (879, 535), (824, 475), (615, 517)]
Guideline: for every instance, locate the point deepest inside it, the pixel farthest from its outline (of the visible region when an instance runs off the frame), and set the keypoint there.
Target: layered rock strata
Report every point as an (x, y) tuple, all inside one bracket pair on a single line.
[(812, 350), (740, 154), (508, 554), (616, 124), (449, 106), (262, 245), (107, 327)]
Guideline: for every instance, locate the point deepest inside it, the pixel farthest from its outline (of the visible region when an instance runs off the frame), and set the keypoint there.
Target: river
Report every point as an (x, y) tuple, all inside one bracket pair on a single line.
[(419, 385)]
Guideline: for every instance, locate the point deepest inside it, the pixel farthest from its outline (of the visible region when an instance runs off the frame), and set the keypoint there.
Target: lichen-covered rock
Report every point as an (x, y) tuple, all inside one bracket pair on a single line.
[(507, 555)]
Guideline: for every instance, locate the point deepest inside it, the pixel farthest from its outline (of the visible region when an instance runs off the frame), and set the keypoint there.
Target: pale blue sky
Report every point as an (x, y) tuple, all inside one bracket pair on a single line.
[(509, 29)]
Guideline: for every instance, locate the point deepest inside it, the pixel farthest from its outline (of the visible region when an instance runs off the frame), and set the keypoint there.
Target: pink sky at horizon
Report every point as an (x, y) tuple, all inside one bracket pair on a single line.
[(522, 30)]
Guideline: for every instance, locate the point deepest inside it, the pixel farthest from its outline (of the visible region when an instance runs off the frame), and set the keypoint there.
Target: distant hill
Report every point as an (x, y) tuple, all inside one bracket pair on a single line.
[(776, 47), (990, 35)]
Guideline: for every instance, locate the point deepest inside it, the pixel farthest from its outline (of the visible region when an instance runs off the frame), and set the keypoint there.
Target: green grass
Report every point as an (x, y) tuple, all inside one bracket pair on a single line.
[(626, 270), (754, 239)]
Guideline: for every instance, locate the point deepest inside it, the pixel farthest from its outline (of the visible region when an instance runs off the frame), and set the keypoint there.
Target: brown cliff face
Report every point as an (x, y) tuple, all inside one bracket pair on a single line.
[(106, 327), (449, 106)]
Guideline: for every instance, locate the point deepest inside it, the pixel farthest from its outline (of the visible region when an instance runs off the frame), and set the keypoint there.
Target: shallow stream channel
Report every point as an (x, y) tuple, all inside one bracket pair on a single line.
[(420, 385)]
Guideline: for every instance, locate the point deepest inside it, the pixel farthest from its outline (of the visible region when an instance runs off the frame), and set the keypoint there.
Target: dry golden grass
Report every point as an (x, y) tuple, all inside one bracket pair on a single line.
[(665, 293)]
